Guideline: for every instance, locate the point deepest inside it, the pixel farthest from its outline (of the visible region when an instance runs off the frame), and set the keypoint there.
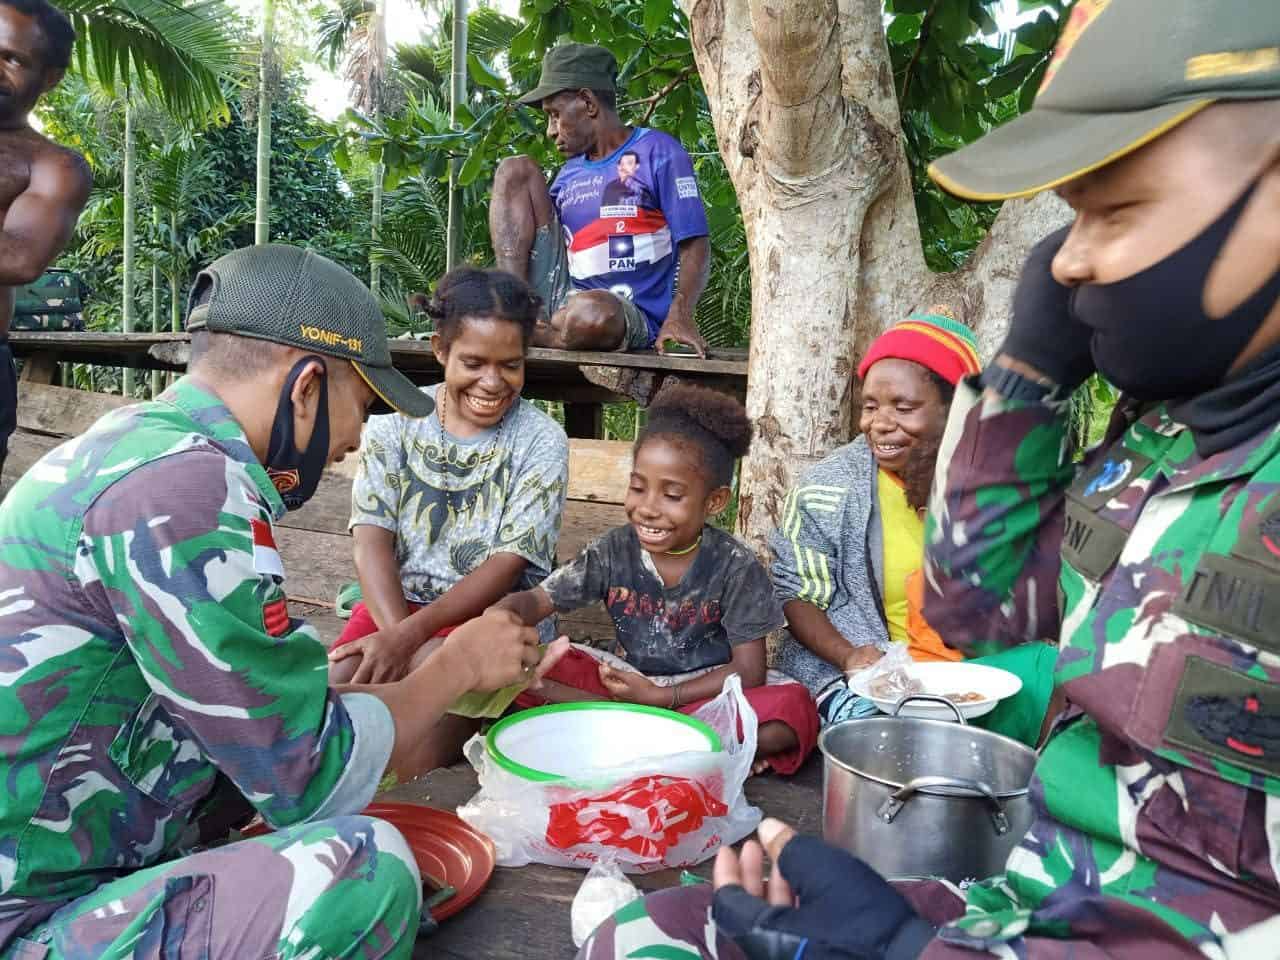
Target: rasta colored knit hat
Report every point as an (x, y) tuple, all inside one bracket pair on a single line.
[(933, 340)]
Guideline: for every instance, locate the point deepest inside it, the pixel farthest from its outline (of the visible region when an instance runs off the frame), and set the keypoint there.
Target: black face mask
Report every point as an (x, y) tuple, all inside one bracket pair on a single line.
[(1152, 338), (296, 473)]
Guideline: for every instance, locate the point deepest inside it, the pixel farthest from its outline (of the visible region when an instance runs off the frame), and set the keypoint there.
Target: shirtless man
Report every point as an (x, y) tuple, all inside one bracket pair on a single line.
[(43, 186)]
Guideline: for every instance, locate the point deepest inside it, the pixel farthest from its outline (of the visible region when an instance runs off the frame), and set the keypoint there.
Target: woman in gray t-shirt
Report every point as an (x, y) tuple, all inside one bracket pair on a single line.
[(451, 512)]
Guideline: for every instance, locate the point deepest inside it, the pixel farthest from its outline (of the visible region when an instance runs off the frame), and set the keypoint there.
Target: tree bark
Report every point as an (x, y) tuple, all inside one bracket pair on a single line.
[(806, 115)]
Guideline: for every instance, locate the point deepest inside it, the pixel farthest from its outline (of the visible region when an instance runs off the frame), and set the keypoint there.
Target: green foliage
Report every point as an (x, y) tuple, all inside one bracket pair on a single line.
[(176, 54), (660, 88), (201, 183), (956, 73), (957, 76)]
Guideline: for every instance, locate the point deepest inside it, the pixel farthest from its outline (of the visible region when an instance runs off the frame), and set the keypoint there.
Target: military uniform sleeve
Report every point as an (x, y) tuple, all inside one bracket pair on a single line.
[(995, 522), (181, 552), (583, 580), (806, 543), (531, 516), (375, 494)]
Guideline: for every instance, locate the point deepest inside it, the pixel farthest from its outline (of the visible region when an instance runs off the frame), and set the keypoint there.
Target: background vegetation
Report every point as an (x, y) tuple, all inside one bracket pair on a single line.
[(192, 74)]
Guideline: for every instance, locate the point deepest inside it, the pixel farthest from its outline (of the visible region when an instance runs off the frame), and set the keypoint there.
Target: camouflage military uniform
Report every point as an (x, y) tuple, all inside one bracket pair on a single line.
[(146, 648), (1158, 795)]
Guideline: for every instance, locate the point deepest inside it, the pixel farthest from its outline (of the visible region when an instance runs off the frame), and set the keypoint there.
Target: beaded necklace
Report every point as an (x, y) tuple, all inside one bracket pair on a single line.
[(442, 411)]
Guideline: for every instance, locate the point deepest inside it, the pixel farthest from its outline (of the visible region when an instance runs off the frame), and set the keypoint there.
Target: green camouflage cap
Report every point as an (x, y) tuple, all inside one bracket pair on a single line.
[(296, 297), (574, 66), (1124, 72)]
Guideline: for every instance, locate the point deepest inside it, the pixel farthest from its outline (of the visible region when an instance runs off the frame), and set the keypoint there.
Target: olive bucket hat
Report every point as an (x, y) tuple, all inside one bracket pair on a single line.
[(1123, 73), (296, 297), (574, 66)]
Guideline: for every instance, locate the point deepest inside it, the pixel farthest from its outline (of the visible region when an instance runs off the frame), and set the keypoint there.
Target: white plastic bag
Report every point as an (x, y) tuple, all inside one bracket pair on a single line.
[(604, 892), (652, 814), (887, 678)]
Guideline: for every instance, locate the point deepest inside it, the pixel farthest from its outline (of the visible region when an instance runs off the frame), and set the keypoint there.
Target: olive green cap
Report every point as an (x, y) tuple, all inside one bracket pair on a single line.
[(296, 297), (1123, 73), (574, 66)]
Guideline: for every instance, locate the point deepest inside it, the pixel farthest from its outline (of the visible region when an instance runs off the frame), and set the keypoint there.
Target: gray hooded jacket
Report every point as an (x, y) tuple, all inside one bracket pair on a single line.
[(828, 550)]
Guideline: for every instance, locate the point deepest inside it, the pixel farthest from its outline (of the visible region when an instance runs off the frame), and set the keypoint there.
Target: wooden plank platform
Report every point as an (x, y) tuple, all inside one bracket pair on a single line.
[(572, 377)]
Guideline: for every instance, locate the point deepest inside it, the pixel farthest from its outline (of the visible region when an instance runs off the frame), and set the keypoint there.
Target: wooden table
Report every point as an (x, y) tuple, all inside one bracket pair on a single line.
[(581, 380)]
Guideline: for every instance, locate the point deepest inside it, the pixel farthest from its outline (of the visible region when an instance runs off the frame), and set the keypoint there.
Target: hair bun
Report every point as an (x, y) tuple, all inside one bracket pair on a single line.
[(719, 414)]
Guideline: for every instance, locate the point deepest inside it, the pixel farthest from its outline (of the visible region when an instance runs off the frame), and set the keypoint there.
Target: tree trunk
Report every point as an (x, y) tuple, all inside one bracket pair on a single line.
[(378, 170), (806, 116), (157, 378), (130, 185), (175, 305), (262, 222), (457, 95)]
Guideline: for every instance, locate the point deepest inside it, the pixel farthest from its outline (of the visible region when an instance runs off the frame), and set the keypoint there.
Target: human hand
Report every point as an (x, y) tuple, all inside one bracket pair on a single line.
[(859, 658), (816, 894), (680, 329), (384, 656), (496, 649), (1044, 335), (632, 687)]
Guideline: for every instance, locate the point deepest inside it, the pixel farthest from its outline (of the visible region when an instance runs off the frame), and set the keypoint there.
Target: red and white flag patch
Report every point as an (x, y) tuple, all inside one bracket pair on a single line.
[(266, 559), (275, 617)]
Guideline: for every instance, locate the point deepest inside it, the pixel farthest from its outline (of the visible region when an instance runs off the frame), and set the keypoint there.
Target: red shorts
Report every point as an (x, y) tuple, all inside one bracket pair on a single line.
[(361, 625), (787, 703)]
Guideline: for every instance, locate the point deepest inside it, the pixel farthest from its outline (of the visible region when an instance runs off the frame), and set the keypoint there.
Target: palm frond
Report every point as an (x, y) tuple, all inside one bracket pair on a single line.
[(176, 55), (489, 35), (175, 176), (336, 27)]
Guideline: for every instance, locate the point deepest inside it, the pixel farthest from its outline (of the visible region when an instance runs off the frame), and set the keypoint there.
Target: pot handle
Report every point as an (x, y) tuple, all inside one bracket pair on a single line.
[(976, 788), (932, 698)]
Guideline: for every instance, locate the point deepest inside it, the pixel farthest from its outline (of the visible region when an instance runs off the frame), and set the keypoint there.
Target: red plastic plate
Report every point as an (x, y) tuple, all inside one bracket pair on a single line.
[(444, 846)]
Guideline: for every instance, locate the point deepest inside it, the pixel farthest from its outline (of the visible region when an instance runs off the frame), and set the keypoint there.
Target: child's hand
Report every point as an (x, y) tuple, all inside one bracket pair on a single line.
[(633, 687)]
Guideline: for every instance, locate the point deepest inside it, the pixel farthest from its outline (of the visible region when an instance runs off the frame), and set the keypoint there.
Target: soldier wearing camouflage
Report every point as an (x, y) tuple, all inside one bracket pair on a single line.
[(151, 666), (1155, 562), (149, 648)]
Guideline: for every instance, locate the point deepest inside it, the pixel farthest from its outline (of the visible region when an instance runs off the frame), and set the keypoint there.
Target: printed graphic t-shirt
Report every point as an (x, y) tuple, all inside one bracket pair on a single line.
[(723, 600), (453, 503), (624, 215)]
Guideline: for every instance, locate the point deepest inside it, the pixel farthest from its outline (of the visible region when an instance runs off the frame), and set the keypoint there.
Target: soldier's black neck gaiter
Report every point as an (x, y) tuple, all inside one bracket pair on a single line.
[(1151, 335), (1239, 410), (296, 473)]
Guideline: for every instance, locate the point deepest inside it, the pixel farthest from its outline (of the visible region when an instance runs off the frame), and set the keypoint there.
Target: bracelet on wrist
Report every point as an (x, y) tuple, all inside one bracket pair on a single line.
[(675, 697)]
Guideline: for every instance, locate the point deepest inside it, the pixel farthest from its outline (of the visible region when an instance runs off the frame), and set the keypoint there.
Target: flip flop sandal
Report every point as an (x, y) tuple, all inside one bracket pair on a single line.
[(348, 596)]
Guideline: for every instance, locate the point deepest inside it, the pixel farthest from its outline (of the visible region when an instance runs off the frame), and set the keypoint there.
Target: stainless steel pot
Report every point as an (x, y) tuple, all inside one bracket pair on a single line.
[(917, 797)]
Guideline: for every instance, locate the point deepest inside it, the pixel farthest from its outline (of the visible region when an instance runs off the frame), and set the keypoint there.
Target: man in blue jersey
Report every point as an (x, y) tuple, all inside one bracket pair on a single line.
[(617, 246)]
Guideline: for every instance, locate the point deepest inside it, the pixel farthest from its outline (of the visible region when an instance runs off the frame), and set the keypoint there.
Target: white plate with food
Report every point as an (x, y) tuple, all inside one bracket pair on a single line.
[(974, 688)]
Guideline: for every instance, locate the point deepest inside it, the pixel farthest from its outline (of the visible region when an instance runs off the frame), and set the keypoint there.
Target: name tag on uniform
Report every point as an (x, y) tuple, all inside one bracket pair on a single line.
[(1227, 715), (1236, 597), (1091, 543)]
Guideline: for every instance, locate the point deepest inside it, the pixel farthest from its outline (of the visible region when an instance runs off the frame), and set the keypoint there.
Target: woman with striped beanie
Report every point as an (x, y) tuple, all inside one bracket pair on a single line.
[(851, 540)]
